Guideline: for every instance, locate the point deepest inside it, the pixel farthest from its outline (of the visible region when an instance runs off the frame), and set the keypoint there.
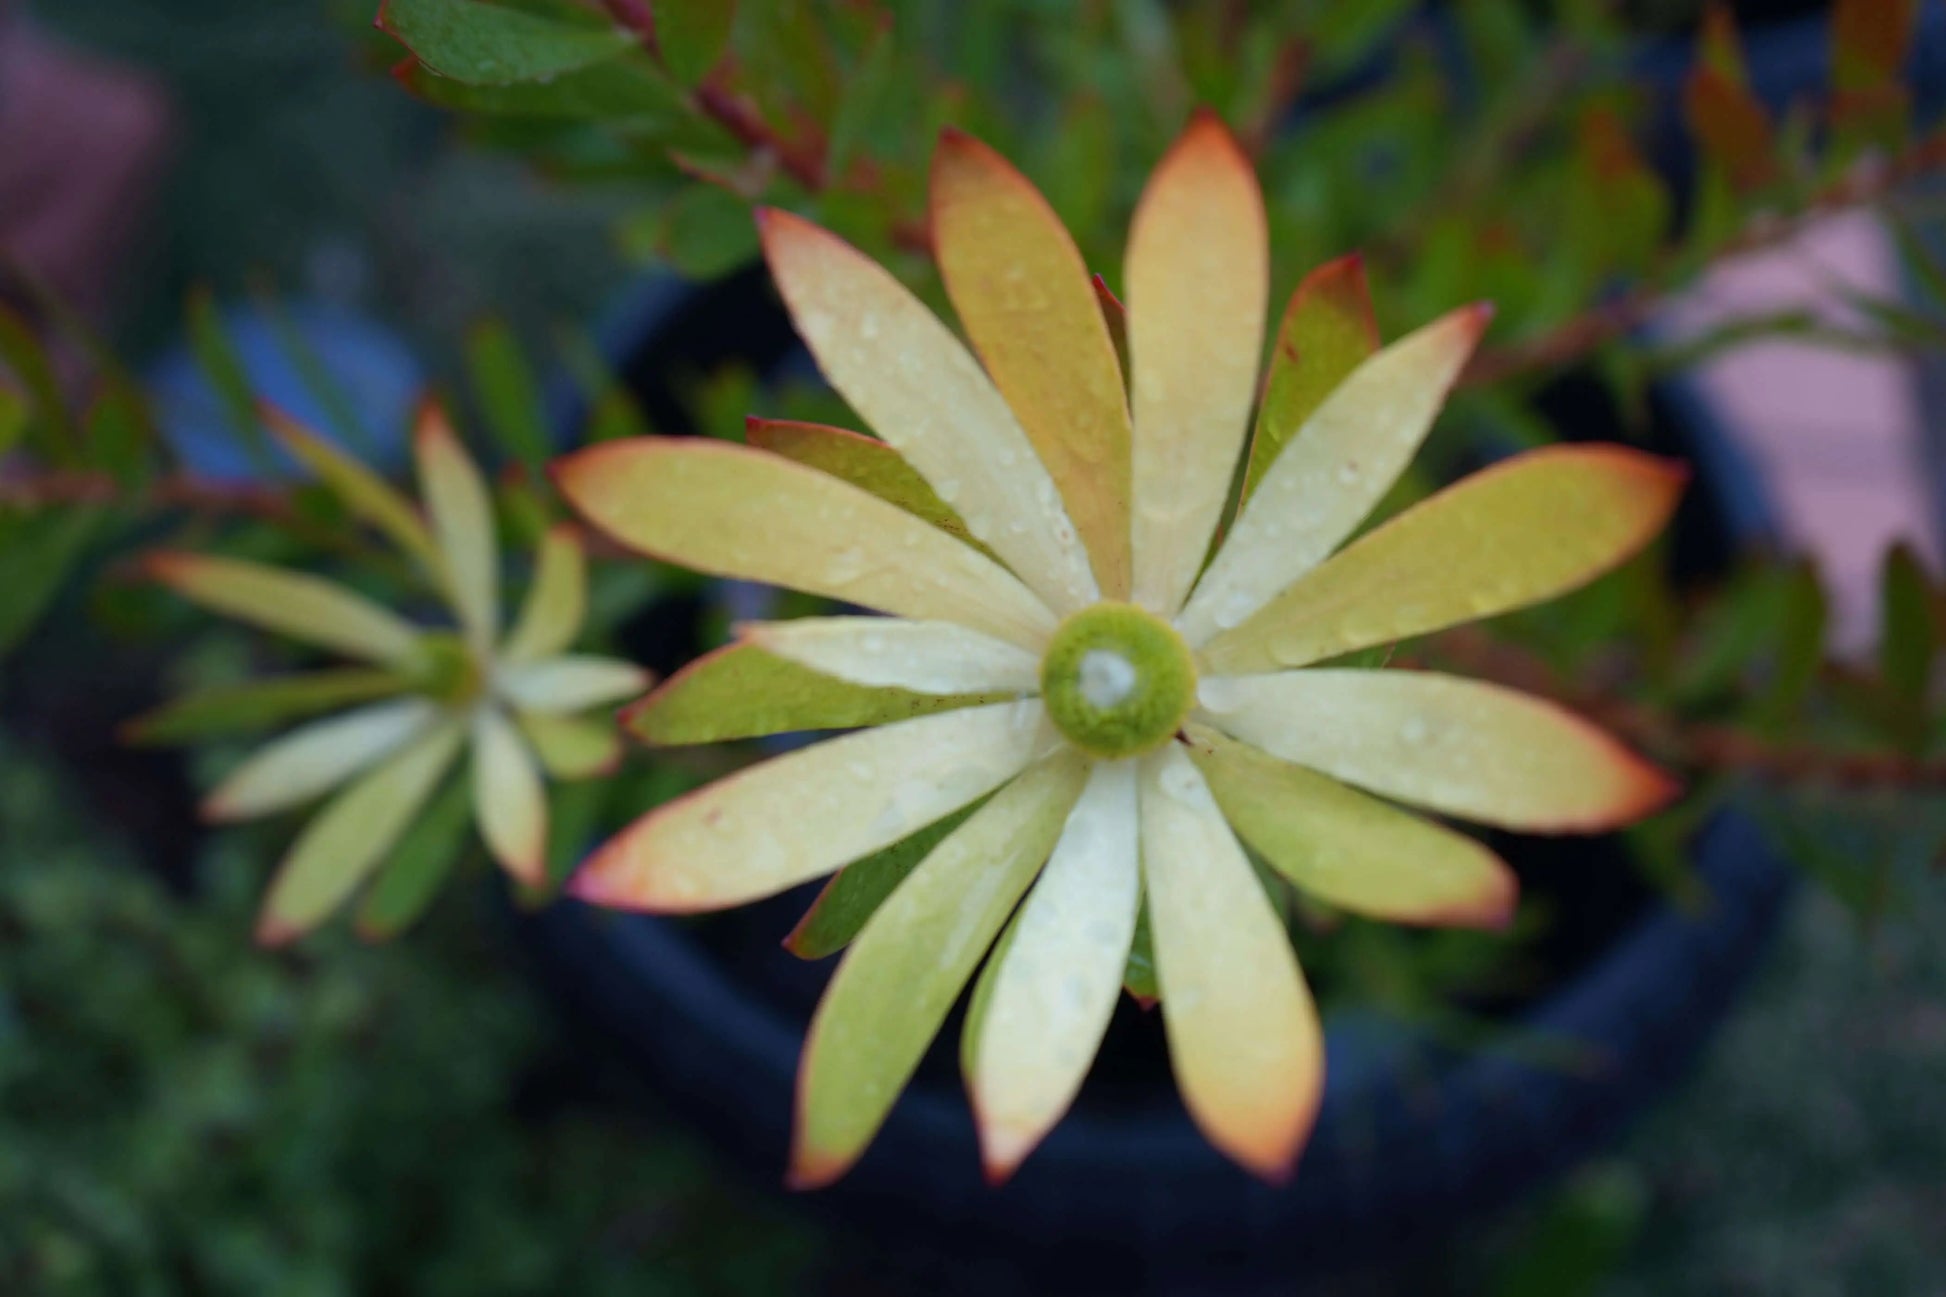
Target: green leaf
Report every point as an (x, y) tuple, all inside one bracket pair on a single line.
[(508, 395), (1579, 1242), (411, 877), (1798, 645), (15, 414), (742, 692), (857, 890), (37, 552), (119, 436), (1328, 331), (865, 462), (1908, 644), (629, 89), (976, 1004), (707, 232), (259, 705), (1139, 978), (22, 354), (363, 492), (210, 343), (692, 35), (486, 44), (859, 108)]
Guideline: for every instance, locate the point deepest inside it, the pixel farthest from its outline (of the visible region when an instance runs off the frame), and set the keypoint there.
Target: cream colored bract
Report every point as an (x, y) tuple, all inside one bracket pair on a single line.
[(1041, 485)]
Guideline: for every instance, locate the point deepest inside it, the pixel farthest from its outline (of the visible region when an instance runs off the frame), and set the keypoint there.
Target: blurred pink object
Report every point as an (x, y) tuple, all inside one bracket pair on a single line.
[(82, 143), (1836, 435)]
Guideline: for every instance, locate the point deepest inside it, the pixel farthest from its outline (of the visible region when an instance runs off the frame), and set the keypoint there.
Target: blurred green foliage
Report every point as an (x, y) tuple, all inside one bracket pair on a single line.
[(181, 1114)]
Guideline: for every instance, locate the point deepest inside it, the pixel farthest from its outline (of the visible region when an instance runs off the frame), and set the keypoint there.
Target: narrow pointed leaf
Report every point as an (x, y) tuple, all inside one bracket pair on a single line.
[(313, 759), (1327, 332), (1334, 471), (339, 849), (507, 394), (423, 859), (573, 747), (802, 815), (461, 506), (855, 892), (1352, 850), (928, 657), (1521, 532), (1197, 286), (1244, 1039), (557, 601), (1458, 746), (492, 45), (1024, 296), (259, 705), (1047, 1010), (866, 463), (889, 996), (364, 493), (571, 683), (303, 607), (737, 512), (742, 692), (216, 357), (509, 799), (692, 35), (922, 391)]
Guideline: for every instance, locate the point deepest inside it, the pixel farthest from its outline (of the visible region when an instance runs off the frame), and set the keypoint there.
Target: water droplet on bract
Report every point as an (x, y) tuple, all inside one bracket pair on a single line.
[(1006, 457), (848, 565), (861, 770), (1218, 694), (868, 325), (873, 644), (947, 488), (1233, 609), (1414, 731), (1179, 781), (1348, 473)]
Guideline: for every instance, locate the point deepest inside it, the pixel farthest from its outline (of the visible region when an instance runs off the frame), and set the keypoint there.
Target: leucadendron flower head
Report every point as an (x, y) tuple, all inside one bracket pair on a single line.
[(1074, 712), (515, 702)]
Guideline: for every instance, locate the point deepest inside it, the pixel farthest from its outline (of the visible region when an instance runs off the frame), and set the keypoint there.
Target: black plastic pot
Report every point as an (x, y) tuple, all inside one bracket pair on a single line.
[(1414, 1139)]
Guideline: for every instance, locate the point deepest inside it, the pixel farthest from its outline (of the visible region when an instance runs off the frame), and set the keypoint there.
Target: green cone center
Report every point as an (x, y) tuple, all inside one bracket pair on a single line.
[(1117, 680)]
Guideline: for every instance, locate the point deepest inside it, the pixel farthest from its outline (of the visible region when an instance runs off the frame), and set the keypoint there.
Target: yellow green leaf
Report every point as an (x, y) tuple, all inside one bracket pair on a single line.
[(1327, 332), (800, 816), (1196, 284), (1453, 745), (895, 985), (1244, 1039), (865, 462), (557, 600), (339, 849), (461, 505), (1351, 850), (920, 389), (304, 607), (363, 492), (1024, 297), (258, 705), (313, 759), (1048, 1007), (742, 692), (1333, 473), (734, 511), (1523, 531)]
